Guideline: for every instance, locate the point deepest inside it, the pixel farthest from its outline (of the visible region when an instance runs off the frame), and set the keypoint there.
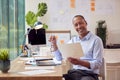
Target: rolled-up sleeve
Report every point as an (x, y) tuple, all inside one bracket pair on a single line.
[(57, 54)]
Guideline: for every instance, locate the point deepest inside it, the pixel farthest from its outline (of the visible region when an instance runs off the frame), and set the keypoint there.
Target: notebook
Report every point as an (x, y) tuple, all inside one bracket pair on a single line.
[(71, 50)]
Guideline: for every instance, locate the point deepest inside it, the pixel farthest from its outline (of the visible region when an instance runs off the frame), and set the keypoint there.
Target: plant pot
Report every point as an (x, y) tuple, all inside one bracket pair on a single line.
[(4, 65)]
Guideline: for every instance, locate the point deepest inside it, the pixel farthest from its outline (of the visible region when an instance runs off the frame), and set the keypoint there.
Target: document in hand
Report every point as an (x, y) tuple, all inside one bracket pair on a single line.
[(71, 50)]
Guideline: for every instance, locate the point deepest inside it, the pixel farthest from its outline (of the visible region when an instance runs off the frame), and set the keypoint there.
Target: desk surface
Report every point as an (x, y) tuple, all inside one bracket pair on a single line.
[(18, 65)]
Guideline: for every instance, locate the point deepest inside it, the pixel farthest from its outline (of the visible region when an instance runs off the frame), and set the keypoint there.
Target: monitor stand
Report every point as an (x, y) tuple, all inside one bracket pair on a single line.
[(35, 49)]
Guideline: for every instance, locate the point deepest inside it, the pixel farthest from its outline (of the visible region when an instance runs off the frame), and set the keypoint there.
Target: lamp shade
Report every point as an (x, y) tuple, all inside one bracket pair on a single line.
[(38, 25)]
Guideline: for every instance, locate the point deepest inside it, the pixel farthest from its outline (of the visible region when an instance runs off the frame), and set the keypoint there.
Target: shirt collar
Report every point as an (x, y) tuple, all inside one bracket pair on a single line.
[(86, 37)]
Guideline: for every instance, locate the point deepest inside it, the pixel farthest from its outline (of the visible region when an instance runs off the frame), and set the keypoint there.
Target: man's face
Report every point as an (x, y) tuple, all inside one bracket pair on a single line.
[(80, 25)]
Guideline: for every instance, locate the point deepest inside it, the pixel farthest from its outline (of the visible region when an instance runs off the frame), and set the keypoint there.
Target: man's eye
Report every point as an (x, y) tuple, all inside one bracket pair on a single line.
[(76, 25)]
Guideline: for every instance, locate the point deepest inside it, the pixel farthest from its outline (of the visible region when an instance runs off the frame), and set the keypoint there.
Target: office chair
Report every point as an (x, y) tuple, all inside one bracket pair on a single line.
[(102, 70)]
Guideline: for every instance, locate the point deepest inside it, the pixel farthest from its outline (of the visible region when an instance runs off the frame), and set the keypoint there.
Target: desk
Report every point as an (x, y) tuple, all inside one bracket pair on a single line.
[(18, 65)]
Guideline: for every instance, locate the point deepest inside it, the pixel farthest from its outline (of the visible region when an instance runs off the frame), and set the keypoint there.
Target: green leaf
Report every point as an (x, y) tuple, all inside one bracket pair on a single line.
[(42, 9), (45, 26), (31, 18)]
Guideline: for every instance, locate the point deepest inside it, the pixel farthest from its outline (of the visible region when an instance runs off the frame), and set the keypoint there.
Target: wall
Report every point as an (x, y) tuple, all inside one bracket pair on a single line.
[(60, 14)]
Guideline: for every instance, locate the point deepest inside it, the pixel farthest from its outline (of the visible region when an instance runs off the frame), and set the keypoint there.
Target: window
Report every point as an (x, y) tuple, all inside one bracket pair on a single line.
[(12, 25)]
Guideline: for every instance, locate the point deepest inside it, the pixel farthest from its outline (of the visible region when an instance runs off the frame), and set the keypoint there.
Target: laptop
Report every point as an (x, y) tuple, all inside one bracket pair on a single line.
[(71, 50)]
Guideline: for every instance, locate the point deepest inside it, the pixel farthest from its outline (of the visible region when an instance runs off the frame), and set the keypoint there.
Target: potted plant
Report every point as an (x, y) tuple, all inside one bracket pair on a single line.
[(33, 22), (4, 60), (101, 31), (32, 17)]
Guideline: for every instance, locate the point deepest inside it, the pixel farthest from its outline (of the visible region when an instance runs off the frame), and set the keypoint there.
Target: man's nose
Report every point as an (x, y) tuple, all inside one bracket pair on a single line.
[(79, 26)]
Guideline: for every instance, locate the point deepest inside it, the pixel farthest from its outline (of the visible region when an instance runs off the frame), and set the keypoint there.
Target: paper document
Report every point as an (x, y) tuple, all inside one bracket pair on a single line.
[(71, 50)]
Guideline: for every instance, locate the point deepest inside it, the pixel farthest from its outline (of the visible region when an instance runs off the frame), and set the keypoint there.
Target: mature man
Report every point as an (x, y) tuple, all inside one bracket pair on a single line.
[(86, 67)]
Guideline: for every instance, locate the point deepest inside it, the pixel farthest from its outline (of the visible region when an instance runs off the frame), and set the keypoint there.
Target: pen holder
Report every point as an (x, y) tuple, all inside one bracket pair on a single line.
[(29, 53)]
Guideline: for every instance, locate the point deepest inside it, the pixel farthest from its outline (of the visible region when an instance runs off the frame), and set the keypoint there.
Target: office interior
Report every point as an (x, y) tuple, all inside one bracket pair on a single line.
[(13, 26)]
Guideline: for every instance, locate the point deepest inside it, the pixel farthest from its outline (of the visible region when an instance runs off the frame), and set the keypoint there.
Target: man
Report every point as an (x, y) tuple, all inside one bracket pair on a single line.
[(86, 67)]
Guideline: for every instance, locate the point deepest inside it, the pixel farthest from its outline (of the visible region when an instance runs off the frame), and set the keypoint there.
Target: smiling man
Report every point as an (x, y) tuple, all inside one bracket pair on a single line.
[(86, 67)]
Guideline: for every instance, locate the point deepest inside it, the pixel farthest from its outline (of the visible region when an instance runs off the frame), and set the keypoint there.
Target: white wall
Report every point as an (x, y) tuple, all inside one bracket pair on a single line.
[(108, 10), (112, 20)]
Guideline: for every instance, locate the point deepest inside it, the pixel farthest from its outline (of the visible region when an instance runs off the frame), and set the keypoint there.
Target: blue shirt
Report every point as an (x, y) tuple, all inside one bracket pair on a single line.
[(93, 52)]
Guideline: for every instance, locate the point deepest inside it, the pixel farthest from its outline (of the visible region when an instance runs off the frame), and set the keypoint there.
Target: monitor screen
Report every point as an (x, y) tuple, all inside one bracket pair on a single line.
[(37, 37)]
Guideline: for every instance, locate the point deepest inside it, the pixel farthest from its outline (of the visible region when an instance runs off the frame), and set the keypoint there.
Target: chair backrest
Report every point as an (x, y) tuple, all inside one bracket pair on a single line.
[(102, 70)]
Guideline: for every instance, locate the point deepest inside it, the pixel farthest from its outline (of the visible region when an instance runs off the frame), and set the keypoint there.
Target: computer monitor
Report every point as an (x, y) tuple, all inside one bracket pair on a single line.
[(37, 37)]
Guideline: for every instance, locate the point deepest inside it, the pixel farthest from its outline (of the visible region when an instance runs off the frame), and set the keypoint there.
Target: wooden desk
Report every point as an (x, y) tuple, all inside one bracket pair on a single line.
[(19, 65)]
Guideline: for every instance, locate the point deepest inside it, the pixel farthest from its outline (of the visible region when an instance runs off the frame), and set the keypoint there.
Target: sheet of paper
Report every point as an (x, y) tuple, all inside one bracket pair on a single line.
[(39, 67), (71, 50), (35, 72), (31, 58), (27, 58)]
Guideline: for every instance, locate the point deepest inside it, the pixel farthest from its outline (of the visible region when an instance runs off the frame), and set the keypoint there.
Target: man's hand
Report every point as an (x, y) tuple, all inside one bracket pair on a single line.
[(77, 61), (53, 43), (74, 60), (52, 39)]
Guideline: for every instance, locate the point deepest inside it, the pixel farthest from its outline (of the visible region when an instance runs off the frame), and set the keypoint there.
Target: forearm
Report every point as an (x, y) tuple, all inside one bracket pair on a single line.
[(57, 55), (84, 63), (54, 47)]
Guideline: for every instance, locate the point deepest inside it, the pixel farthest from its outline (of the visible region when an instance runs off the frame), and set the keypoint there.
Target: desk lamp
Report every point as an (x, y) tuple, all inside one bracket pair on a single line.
[(38, 25)]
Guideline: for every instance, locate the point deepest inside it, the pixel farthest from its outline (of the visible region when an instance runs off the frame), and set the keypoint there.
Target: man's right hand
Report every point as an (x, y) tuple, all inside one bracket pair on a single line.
[(53, 41)]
